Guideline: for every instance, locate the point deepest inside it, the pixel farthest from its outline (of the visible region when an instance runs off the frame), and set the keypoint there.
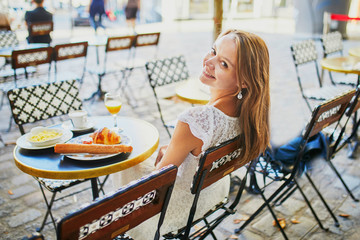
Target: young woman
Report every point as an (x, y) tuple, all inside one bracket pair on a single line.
[(237, 71)]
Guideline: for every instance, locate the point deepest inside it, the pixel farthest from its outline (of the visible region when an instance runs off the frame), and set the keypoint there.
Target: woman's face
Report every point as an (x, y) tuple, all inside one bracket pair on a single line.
[(219, 65)]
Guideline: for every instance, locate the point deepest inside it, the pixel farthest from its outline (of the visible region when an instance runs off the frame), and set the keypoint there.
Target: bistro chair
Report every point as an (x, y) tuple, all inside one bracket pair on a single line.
[(70, 52), (304, 53), (145, 49), (116, 45), (41, 102), (39, 29), (214, 164), (332, 44), (23, 59), (273, 170), (8, 39), (117, 213), (162, 74)]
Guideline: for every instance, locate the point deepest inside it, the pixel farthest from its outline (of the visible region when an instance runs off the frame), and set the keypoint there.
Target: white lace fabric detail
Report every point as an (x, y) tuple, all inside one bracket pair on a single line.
[(211, 126)]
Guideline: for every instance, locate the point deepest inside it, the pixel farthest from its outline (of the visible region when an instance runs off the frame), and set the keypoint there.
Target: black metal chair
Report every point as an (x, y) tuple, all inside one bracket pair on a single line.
[(119, 45), (215, 163), (305, 53), (40, 102), (39, 30), (164, 73), (70, 52), (272, 170), (114, 215), (332, 44)]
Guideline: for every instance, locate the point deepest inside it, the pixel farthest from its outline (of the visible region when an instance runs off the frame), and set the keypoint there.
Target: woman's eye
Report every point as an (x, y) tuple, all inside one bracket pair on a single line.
[(224, 64), (213, 51)]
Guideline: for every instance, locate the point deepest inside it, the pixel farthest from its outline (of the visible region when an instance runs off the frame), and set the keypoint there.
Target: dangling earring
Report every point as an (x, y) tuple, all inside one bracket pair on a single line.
[(239, 96)]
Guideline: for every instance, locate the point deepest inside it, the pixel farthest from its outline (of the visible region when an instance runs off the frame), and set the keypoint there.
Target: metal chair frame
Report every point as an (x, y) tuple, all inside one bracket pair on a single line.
[(214, 164), (328, 113), (164, 72), (303, 53), (117, 213), (69, 51), (28, 105)]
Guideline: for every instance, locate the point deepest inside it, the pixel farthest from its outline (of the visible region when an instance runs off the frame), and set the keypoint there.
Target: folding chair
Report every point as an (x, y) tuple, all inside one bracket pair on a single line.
[(163, 73), (214, 164), (272, 170), (148, 40), (111, 216), (118, 45), (70, 51), (24, 59), (332, 43), (40, 102), (38, 31), (304, 53)]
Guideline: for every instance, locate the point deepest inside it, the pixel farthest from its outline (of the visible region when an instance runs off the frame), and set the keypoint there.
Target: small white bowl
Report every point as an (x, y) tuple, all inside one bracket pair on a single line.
[(50, 140)]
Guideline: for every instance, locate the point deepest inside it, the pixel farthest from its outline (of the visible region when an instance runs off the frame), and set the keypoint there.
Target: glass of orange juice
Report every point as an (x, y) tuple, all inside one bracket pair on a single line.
[(113, 104)]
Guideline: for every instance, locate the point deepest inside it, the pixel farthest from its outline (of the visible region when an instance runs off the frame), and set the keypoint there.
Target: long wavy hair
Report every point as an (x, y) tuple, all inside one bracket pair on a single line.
[(253, 70)]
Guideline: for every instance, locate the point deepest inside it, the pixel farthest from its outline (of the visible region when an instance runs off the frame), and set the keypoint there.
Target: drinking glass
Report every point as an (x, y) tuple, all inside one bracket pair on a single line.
[(113, 104)]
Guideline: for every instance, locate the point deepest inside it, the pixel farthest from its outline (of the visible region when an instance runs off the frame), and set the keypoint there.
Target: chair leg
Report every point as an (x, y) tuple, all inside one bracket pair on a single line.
[(310, 206), (281, 198), (322, 199), (342, 181), (267, 202), (48, 211), (101, 184)]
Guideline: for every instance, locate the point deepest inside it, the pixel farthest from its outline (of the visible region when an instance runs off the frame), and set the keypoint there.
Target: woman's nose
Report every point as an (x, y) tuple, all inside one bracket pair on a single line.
[(209, 63)]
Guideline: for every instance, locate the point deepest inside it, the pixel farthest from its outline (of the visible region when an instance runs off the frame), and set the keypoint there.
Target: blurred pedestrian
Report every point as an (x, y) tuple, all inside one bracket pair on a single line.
[(39, 14), (97, 9), (131, 9)]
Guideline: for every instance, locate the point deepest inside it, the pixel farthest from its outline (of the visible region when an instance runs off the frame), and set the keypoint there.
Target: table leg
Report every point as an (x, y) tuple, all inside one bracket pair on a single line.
[(94, 186)]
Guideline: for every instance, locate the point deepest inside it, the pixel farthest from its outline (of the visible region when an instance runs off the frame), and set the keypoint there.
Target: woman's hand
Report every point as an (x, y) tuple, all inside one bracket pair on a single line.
[(161, 153)]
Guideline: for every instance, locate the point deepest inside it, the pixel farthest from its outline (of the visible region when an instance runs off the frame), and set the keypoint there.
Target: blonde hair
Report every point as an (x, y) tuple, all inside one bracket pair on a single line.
[(253, 70)]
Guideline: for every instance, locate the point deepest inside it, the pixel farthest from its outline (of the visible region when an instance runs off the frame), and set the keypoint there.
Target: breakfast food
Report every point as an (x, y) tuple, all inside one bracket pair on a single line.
[(91, 148), (105, 136), (44, 135)]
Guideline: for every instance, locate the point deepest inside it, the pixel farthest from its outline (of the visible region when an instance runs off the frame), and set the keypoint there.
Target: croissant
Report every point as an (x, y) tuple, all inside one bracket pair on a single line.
[(105, 136)]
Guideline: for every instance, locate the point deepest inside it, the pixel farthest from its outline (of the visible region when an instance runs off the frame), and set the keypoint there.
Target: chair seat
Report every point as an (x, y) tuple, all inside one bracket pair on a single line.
[(100, 71), (326, 92), (54, 185), (65, 76)]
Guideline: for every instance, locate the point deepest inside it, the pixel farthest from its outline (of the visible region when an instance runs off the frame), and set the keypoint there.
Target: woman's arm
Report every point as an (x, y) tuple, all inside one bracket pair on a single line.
[(181, 144)]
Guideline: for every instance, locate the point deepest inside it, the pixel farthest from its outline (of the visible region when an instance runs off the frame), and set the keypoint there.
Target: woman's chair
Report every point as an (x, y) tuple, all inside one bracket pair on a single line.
[(274, 170), (215, 163), (163, 76), (39, 30), (117, 213), (304, 53), (41, 102)]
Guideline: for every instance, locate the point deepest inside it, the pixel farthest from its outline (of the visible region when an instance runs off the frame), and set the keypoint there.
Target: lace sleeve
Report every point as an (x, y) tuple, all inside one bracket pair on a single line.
[(201, 122)]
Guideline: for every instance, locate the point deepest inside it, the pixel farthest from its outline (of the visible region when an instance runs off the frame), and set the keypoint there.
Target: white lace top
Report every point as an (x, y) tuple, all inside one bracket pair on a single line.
[(213, 127)]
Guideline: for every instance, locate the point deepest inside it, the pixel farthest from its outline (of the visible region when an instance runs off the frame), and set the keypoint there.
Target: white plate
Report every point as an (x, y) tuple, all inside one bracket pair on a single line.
[(125, 140), (68, 125), (23, 142)]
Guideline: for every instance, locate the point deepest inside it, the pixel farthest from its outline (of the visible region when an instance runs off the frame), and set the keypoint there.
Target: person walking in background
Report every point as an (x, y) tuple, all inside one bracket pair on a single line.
[(97, 10), (131, 10), (39, 14)]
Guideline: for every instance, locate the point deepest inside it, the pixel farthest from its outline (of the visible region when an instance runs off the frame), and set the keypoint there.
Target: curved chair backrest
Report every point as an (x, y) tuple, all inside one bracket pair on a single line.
[(128, 207), (332, 43), (70, 50), (8, 39), (41, 28), (31, 57)]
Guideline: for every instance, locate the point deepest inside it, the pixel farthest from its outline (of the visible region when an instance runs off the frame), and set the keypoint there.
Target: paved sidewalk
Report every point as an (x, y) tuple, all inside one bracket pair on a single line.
[(21, 203)]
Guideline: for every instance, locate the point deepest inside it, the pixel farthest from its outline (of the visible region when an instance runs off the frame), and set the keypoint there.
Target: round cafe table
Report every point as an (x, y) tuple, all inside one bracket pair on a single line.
[(193, 91), (354, 51), (144, 138)]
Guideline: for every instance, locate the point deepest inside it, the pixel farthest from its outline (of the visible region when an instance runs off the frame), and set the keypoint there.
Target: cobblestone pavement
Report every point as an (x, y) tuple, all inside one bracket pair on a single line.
[(21, 203)]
